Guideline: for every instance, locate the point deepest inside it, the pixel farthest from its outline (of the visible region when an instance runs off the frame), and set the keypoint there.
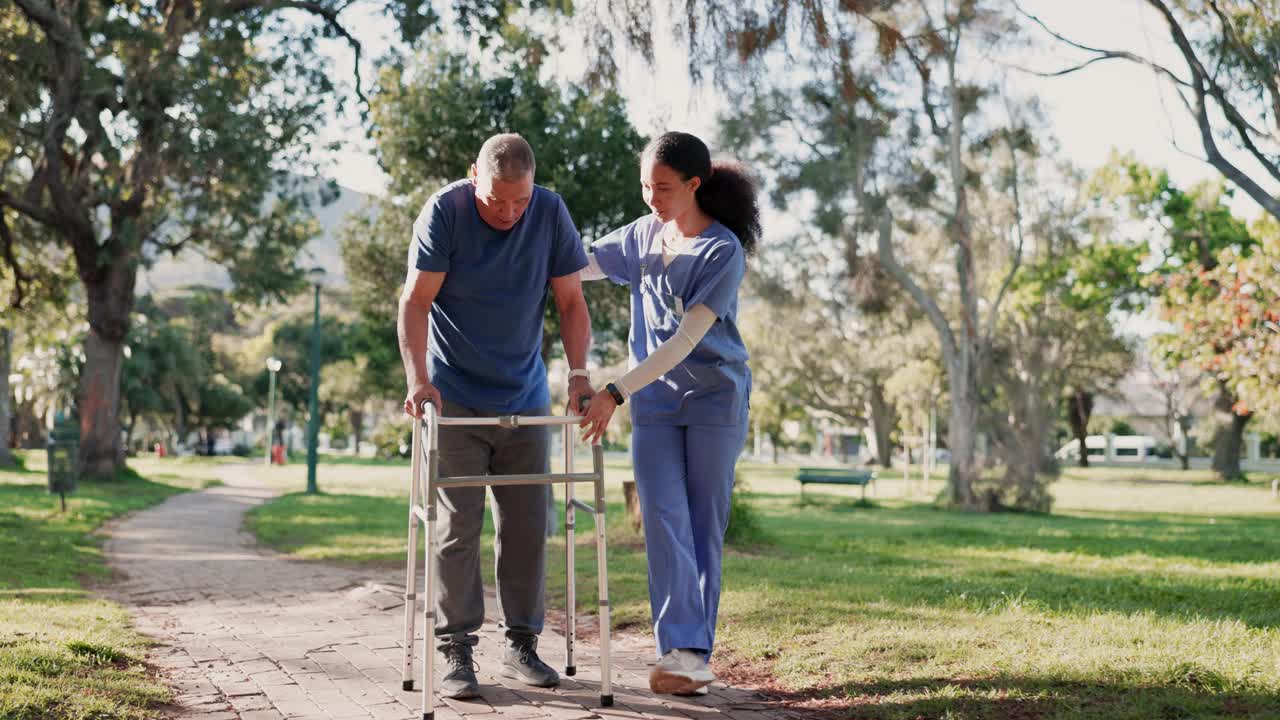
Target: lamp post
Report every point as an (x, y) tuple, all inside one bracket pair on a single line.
[(273, 367), (313, 422)]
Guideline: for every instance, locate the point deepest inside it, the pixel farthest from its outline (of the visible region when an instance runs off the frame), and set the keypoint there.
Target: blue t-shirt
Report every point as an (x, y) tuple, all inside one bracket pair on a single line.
[(712, 385), (484, 350)]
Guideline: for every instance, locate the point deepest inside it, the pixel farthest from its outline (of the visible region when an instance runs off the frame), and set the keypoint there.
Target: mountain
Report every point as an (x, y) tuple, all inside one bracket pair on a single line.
[(189, 268)]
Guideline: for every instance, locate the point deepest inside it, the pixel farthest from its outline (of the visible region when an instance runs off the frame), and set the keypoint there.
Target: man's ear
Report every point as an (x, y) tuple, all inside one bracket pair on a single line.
[(473, 173)]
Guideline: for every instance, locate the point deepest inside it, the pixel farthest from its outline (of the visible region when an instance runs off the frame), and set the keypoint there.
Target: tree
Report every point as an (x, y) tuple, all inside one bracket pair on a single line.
[(6, 353), (145, 128), (1230, 85), (175, 374), (1228, 325), (430, 120), (1177, 387), (1056, 339), (344, 393), (1192, 230), (903, 124)]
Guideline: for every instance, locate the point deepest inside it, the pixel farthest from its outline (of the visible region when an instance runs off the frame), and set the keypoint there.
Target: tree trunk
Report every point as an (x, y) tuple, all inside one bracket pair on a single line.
[(100, 451), (632, 498), (110, 300), (962, 433), (883, 419), (1228, 440), (6, 414), (1079, 410), (357, 421)]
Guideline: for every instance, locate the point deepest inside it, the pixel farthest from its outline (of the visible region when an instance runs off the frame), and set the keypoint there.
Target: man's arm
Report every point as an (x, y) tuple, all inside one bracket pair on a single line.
[(413, 325), (575, 333)]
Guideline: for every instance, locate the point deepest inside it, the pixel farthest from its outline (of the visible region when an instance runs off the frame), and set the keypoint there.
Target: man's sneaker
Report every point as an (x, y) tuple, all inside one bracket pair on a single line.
[(521, 662), (679, 672), (700, 692), (460, 681)]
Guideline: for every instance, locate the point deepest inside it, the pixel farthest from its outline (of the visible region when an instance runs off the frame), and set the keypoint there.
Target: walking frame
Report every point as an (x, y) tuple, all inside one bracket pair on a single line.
[(422, 509)]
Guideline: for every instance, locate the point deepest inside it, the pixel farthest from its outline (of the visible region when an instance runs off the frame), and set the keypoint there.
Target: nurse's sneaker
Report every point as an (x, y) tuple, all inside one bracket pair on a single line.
[(680, 671), (521, 662), (460, 681)]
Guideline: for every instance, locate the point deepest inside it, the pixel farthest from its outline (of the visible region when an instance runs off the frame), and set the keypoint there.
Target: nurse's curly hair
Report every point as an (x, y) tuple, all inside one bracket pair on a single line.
[(729, 190)]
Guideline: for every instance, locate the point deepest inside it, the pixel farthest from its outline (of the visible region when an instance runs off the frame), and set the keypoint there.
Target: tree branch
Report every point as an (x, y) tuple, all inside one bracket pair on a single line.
[(44, 216), (1017, 253), (318, 9), (20, 278), (1099, 53), (1241, 125), (890, 263)]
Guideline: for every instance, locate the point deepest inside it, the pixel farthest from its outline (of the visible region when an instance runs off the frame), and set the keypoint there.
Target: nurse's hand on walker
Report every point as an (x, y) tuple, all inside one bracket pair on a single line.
[(419, 392), (599, 412)]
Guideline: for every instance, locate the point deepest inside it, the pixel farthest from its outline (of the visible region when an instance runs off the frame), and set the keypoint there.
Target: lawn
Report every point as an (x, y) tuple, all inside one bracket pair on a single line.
[(1144, 595), (63, 652)]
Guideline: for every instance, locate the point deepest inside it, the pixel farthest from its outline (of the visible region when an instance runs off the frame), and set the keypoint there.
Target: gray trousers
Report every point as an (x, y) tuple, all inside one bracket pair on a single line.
[(519, 520)]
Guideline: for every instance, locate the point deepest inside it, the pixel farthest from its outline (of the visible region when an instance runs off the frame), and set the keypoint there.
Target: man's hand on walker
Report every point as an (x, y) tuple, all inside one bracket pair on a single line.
[(580, 391), (419, 393), (596, 421)]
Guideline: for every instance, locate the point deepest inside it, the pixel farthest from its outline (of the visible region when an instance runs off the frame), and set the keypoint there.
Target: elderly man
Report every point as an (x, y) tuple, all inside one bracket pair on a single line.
[(484, 252)]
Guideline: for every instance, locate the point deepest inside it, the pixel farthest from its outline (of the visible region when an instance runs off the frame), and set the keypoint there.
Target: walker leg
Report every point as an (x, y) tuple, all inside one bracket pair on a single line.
[(606, 679), (571, 599), (429, 599), (411, 564)]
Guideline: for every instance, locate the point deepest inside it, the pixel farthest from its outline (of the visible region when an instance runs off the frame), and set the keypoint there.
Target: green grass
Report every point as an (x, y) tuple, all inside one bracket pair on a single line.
[(1144, 595), (63, 652)]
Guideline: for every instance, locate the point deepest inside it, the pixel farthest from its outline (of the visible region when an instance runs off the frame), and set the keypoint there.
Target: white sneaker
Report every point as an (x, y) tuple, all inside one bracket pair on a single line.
[(680, 672)]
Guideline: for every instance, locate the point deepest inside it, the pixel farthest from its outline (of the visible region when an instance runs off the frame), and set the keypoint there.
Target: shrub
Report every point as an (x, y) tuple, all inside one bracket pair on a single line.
[(392, 439)]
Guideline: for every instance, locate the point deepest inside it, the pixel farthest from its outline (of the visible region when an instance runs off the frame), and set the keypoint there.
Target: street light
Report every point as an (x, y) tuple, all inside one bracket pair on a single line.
[(273, 367), (313, 423)]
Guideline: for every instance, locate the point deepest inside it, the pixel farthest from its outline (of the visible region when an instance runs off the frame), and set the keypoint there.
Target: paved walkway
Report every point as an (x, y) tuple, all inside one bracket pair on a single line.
[(248, 634)]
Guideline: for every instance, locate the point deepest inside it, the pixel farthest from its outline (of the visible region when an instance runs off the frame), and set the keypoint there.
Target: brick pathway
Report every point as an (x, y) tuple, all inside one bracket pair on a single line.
[(247, 634)]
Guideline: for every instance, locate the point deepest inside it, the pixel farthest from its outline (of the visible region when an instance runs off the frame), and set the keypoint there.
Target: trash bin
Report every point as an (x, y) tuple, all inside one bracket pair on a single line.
[(64, 457)]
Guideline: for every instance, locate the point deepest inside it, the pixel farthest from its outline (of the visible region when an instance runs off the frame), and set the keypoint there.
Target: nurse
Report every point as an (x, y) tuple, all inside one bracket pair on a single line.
[(688, 387)]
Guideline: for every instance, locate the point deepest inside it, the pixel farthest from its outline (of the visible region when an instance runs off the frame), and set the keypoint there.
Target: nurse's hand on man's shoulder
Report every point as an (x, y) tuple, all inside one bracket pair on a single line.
[(419, 393), (596, 420)]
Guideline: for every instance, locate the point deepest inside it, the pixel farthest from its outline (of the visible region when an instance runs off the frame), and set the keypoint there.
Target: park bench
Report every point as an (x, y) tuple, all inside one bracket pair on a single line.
[(835, 476)]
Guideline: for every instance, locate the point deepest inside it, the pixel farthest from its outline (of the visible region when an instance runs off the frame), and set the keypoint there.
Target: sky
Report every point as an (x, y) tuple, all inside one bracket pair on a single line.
[(1111, 105)]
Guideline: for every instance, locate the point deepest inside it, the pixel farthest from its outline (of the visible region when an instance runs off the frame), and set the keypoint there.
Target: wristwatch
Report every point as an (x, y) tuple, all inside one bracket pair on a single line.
[(616, 393)]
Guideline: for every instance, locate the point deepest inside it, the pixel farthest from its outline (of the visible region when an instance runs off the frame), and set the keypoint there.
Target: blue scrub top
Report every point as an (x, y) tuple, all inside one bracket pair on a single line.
[(485, 347), (711, 386)]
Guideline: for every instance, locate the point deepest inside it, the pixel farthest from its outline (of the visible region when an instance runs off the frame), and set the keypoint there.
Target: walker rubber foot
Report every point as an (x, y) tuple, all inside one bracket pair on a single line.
[(606, 701), (407, 686), (570, 670), (428, 716)]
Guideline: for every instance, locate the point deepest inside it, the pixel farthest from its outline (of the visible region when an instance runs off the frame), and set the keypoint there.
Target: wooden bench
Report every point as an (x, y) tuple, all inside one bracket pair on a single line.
[(835, 476)]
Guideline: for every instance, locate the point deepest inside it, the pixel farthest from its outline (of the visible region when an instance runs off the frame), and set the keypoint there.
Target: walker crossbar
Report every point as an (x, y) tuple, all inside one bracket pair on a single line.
[(422, 509)]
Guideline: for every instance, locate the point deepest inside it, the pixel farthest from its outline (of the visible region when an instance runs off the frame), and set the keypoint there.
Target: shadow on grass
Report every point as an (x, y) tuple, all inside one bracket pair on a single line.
[(1189, 692), (834, 503)]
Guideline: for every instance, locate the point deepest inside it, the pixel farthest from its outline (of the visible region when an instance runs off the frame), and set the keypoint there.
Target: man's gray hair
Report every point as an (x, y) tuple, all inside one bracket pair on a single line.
[(505, 157)]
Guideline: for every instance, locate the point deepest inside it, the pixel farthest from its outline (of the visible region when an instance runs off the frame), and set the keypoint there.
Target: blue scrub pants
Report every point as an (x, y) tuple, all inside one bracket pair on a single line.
[(684, 475)]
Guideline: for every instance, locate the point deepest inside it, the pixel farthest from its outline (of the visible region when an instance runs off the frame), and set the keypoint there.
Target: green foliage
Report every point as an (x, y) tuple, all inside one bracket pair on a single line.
[(174, 376), (393, 439), (1120, 427), (745, 525)]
